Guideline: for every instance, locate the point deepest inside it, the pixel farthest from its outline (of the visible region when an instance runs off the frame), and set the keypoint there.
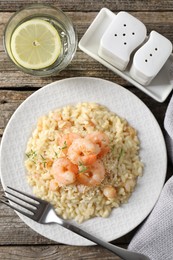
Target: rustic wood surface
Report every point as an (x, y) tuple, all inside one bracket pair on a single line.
[(18, 241)]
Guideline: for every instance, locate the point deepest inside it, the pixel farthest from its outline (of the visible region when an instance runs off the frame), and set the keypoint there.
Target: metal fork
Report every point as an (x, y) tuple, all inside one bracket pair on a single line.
[(43, 212)]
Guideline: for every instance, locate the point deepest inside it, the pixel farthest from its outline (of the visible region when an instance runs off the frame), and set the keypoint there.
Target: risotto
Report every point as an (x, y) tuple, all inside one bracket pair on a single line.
[(84, 159)]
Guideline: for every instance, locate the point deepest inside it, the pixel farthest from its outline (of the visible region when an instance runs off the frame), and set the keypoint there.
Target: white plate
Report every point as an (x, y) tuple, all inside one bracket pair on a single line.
[(118, 100), (162, 84)]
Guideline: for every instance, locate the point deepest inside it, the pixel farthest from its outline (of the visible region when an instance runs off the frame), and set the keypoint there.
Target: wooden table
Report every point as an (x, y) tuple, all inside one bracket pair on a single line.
[(18, 241)]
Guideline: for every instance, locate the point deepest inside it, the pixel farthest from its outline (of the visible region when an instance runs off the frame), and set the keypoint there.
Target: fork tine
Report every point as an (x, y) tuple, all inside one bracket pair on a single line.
[(20, 211), (26, 194), (21, 205), (14, 195)]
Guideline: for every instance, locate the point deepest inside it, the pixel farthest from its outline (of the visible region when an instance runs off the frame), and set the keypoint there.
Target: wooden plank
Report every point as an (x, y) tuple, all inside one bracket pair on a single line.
[(15, 232), (9, 102), (54, 252), (78, 5), (11, 77)]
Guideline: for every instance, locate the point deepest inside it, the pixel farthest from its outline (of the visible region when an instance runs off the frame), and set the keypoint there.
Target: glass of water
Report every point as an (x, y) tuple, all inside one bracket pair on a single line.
[(40, 40)]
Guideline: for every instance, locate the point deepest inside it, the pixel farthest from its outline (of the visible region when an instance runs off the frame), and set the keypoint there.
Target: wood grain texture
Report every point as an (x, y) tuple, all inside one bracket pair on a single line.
[(17, 240), (56, 252), (90, 6)]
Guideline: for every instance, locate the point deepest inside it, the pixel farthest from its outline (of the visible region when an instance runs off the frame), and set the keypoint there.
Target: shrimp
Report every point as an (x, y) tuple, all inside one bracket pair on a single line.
[(102, 140), (83, 151), (110, 192), (53, 185), (93, 175), (66, 140), (64, 171), (130, 185)]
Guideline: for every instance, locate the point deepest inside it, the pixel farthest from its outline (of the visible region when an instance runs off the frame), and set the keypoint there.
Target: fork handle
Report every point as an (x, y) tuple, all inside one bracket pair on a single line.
[(121, 252)]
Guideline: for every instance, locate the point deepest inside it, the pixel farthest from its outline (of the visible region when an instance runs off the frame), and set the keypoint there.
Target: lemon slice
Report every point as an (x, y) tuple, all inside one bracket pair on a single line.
[(35, 44)]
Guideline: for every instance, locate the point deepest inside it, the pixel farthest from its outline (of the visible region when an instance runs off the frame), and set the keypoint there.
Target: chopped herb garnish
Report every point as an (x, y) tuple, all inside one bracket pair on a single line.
[(121, 154), (82, 167), (42, 157), (56, 154), (44, 164), (44, 160), (113, 148), (32, 154), (64, 146)]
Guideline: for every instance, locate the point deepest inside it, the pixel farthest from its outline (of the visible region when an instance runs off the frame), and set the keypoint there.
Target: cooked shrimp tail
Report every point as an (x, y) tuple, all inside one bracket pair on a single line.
[(83, 151), (102, 140), (64, 171), (93, 175)]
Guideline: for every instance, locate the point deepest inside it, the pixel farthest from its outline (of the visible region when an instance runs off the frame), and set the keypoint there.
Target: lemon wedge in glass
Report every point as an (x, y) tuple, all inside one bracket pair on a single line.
[(35, 44)]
